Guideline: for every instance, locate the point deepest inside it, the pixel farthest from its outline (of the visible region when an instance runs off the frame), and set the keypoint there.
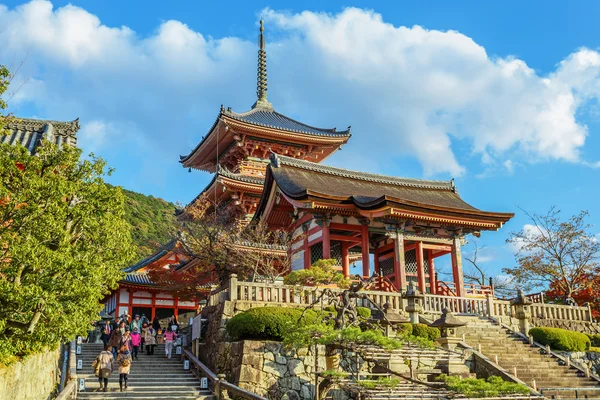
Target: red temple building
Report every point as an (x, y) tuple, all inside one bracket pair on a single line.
[(405, 224), (138, 294), (238, 145), (399, 225)]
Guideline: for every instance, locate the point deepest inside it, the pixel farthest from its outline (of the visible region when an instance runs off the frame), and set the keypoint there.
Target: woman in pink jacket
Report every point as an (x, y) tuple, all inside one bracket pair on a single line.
[(170, 337), (136, 340)]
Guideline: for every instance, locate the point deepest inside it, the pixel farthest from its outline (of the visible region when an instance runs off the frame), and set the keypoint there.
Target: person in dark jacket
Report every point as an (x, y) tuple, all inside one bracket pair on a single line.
[(115, 339)]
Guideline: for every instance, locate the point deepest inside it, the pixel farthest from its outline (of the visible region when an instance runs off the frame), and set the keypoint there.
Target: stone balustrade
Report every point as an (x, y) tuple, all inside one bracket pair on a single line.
[(431, 304)]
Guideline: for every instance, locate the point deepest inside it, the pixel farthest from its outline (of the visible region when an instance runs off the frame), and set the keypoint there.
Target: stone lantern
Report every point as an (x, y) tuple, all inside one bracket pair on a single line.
[(415, 299), (522, 311), (448, 325)]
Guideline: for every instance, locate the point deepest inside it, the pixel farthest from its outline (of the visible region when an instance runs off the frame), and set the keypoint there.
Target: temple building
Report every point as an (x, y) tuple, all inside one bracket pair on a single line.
[(138, 294), (405, 224), (238, 145), (29, 132), (269, 167)]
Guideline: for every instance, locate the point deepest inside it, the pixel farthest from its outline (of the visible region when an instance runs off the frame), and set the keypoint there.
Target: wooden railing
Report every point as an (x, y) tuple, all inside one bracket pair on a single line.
[(471, 289), (217, 384), (432, 303)]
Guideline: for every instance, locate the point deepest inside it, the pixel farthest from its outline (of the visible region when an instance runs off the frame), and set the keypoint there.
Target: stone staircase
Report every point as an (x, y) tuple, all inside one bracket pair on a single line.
[(151, 377), (552, 378)]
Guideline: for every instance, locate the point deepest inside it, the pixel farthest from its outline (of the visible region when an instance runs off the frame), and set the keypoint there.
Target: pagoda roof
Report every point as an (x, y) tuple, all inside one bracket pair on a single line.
[(227, 177), (29, 132), (262, 122), (311, 185), (269, 118)]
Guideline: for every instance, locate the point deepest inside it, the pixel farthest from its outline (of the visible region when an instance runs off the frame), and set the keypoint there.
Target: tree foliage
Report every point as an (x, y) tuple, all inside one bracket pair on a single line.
[(152, 221), (63, 243), (321, 273), (224, 246), (553, 251), (5, 78)]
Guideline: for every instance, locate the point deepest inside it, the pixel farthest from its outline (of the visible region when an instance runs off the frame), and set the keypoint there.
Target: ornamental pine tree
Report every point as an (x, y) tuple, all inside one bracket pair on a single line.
[(63, 243)]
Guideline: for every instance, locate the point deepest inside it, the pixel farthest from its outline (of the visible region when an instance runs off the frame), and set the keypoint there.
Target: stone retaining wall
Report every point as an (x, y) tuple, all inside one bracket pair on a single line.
[(34, 378), (591, 359)]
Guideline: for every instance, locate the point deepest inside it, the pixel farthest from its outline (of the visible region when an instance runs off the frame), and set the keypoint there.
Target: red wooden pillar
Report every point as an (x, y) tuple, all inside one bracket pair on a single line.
[(153, 306), (420, 267), (326, 240), (306, 253), (365, 250), (457, 270), (176, 305), (432, 282), (130, 312), (345, 259), (376, 266), (399, 262)]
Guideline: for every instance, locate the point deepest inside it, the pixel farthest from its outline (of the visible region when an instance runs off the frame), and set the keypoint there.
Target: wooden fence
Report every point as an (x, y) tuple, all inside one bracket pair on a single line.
[(432, 304)]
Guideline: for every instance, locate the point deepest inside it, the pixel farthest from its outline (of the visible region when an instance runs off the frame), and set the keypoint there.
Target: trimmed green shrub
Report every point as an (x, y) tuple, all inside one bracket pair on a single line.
[(405, 328), (426, 332), (267, 323), (492, 387), (561, 339), (363, 312)]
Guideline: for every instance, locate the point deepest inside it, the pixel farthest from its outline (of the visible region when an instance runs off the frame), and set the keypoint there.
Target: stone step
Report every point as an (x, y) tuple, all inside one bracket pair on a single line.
[(141, 387), (139, 375)]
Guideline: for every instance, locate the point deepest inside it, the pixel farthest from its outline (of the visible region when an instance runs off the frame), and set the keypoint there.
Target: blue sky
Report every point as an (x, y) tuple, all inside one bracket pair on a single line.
[(501, 96)]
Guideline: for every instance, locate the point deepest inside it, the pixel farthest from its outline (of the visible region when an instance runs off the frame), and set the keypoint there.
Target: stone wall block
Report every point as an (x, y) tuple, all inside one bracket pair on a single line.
[(295, 367)]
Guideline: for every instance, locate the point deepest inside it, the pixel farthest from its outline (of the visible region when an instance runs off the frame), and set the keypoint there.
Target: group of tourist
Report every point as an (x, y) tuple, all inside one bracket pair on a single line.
[(122, 341)]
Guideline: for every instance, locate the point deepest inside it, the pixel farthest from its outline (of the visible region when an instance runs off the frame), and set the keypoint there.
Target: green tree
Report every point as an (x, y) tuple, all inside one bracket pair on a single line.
[(153, 222), (4, 82), (63, 243)]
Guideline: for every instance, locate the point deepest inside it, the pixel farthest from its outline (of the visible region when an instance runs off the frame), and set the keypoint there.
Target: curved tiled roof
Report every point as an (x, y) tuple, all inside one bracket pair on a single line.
[(257, 180), (269, 118), (156, 256), (29, 132), (309, 183), (138, 279), (277, 160)]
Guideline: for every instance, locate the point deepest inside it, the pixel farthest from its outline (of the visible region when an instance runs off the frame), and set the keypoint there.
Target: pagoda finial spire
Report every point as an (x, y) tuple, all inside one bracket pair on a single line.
[(261, 79)]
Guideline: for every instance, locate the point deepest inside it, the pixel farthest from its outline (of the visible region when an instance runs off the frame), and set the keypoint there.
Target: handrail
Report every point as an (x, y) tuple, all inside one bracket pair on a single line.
[(220, 383), (209, 374), (69, 392), (243, 393)]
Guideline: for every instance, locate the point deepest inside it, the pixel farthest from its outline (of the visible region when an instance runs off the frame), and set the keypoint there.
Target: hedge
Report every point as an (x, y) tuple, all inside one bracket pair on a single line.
[(561, 339), (426, 332), (266, 323)]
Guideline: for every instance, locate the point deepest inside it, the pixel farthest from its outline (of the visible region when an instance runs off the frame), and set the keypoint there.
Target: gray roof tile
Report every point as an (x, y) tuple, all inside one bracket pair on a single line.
[(29, 132)]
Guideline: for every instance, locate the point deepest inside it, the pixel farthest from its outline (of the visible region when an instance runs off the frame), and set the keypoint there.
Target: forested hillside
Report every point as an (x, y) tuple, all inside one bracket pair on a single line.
[(152, 221)]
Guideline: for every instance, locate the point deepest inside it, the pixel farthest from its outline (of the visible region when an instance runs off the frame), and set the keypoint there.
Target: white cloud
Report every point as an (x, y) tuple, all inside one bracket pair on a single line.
[(93, 136), (407, 91)]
